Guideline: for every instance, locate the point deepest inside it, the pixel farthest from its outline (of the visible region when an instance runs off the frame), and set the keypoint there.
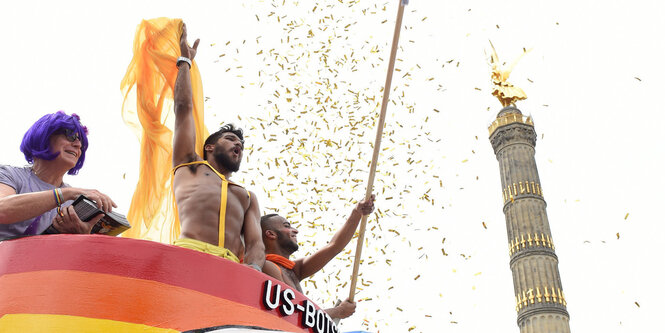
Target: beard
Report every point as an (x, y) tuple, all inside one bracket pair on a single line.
[(225, 161), (286, 243)]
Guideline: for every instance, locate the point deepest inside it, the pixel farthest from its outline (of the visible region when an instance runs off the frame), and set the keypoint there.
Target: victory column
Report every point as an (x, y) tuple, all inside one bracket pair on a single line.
[(540, 302)]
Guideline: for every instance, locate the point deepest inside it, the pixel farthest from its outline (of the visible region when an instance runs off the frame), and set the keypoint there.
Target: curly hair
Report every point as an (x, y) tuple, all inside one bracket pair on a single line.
[(36, 141)]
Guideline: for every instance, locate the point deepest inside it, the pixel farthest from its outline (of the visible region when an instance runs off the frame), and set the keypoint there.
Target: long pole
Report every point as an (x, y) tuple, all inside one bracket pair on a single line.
[(377, 146)]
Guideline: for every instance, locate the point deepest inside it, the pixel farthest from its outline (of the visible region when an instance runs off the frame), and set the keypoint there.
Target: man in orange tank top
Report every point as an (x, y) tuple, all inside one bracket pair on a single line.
[(214, 213), (280, 240)]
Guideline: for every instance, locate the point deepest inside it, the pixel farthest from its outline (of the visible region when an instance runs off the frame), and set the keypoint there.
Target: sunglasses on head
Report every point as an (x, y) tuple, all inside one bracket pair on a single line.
[(70, 135)]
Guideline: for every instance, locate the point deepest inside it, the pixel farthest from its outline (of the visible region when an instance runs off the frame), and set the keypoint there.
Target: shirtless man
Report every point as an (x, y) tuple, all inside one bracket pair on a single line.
[(280, 241), (214, 213)]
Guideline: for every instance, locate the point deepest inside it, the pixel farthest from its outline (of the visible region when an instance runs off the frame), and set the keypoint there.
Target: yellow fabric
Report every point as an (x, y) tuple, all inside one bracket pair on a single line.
[(222, 201), (147, 109), (222, 212), (204, 247), (38, 323)]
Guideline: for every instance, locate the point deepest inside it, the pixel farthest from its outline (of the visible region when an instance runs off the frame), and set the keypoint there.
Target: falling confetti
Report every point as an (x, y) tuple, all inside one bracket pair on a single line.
[(310, 140)]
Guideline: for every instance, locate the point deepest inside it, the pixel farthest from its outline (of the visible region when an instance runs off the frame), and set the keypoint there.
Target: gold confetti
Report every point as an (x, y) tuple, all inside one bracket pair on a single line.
[(626, 217), (320, 171)]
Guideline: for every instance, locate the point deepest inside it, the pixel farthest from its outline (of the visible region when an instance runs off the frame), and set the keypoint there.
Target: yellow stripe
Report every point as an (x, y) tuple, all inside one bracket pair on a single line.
[(38, 323)]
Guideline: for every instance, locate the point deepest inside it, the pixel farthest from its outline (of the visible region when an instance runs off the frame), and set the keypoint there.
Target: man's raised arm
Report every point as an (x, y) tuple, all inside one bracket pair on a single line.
[(184, 138), (343, 236)]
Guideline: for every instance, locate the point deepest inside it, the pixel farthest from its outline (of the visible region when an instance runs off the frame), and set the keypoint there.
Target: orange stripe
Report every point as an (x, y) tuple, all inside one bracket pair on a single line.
[(126, 299)]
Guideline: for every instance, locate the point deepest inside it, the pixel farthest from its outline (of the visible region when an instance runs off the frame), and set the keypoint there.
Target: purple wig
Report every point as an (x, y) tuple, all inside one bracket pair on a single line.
[(36, 143)]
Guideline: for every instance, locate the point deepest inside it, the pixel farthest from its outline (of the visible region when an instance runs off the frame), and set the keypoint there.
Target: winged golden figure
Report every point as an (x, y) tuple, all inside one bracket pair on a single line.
[(501, 88)]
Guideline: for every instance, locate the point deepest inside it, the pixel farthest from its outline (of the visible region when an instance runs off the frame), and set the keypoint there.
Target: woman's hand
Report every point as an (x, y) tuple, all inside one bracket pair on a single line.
[(103, 201), (70, 223)]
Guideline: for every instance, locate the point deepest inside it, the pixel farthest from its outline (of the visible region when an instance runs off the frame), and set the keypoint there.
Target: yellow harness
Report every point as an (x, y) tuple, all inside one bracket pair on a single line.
[(222, 200)]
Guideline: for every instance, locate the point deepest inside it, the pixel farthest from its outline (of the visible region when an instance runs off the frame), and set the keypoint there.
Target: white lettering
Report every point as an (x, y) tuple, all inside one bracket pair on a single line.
[(320, 322), (309, 315), (267, 291), (287, 307)]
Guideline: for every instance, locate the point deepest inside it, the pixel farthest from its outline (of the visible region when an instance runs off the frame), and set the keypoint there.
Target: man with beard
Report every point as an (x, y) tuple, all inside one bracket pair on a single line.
[(280, 240), (214, 213)]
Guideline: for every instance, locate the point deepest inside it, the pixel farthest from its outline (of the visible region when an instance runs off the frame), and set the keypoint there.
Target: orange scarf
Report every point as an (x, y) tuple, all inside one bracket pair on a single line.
[(276, 258)]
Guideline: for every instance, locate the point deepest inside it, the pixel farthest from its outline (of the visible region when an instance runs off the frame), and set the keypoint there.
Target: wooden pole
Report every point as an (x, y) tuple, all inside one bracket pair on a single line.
[(377, 146)]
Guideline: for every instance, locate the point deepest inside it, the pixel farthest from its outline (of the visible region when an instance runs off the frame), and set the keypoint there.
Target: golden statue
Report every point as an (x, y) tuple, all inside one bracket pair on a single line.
[(502, 89)]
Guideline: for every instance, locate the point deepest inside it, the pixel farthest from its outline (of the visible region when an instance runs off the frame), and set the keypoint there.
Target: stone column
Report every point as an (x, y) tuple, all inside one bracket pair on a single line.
[(539, 299)]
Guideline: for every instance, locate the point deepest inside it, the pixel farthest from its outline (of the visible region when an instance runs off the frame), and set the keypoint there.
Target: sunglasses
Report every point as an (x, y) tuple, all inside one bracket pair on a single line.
[(70, 135)]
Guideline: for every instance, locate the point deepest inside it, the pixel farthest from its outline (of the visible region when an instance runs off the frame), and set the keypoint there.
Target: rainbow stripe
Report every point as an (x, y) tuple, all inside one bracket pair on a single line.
[(121, 284)]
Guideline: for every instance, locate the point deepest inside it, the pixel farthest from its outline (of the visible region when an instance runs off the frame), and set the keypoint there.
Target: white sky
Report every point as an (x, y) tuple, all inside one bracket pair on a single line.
[(597, 71)]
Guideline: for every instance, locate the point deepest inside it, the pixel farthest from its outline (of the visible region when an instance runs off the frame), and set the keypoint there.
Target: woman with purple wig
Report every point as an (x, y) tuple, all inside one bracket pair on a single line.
[(34, 199)]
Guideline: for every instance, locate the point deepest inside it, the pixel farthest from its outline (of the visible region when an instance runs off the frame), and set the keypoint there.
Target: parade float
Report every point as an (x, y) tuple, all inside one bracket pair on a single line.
[(94, 283)]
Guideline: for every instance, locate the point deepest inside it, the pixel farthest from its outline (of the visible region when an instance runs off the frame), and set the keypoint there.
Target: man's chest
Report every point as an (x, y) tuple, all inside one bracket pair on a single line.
[(205, 185), (291, 279)]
